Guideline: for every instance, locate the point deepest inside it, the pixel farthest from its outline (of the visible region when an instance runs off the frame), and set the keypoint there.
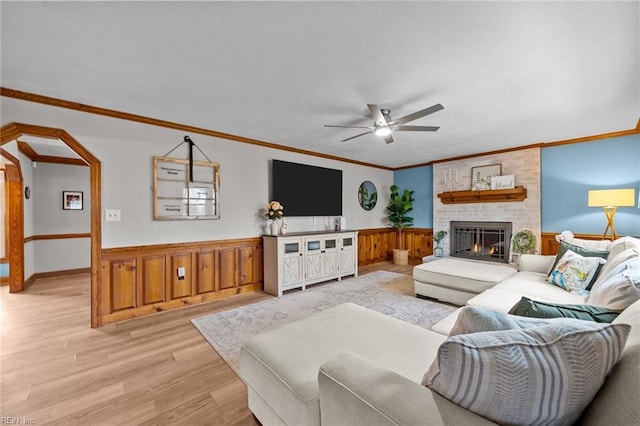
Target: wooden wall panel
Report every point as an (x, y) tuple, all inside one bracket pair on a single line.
[(245, 265), (226, 268), (213, 270), (377, 244), (206, 271), (152, 280), (258, 266), (179, 287), (123, 284)]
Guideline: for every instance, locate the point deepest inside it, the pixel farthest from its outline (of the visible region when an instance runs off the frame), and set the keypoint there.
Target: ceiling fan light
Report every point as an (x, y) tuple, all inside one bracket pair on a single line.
[(383, 131)]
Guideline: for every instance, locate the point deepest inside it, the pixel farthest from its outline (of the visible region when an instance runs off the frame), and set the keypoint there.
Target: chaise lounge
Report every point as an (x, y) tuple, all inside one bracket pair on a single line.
[(350, 365)]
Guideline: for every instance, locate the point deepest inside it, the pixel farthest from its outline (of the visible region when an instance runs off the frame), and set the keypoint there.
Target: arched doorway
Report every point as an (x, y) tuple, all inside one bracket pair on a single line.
[(13, 131), (14, 233)]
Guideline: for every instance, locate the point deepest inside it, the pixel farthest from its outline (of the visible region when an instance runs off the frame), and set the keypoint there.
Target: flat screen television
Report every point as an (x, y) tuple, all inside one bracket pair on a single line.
[(306, 190)]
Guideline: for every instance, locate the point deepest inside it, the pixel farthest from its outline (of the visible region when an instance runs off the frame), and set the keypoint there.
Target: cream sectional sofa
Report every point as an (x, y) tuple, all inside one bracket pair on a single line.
[(349, 365)]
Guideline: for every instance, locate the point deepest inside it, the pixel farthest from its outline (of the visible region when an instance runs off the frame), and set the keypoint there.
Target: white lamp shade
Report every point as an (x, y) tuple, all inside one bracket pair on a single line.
[(612, 197)]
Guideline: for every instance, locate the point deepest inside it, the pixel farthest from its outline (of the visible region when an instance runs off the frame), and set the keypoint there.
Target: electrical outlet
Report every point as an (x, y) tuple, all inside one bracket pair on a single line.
[(112, 215), (181, 273)]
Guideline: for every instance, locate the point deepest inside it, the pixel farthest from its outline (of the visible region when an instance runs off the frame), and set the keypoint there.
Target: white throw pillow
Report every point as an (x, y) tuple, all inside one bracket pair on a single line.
[(593, 244), (622, 244), (620, 289), (573, 272), (614, 261), (542, 375)]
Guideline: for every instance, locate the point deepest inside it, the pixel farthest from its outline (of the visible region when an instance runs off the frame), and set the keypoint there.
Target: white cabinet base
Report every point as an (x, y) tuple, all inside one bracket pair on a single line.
[(300, 259)]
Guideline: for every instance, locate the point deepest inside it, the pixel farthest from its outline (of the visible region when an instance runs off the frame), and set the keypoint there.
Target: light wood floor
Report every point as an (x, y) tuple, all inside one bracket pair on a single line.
[(55, 369)]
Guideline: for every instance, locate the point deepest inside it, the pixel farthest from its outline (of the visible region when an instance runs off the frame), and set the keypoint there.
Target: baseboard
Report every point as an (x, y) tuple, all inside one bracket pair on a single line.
[(53, 274)]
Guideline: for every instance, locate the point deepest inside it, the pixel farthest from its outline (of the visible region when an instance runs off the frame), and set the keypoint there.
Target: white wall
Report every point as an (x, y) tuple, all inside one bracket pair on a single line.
[(49, 181), (126, 150)]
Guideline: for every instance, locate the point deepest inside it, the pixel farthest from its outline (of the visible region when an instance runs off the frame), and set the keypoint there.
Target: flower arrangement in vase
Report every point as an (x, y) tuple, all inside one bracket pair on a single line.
[(273, 211), (438, 237)]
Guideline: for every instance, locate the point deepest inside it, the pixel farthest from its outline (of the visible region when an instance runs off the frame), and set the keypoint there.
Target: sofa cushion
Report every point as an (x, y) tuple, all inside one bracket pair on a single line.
[(281, 365), (582, 251), (463, 275), (620, 289), (533, 285), (537, 375), (574, 272), (622, 244), (536, 309), (614, 261), (617, 401)]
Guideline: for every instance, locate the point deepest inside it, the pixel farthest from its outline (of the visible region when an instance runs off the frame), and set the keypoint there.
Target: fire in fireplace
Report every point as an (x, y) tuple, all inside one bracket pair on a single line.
[(481, 240)]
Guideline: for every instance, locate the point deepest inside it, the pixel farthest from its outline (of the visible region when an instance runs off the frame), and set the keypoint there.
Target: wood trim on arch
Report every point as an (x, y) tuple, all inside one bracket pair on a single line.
[(28, 151), (12, 132), (15, 220)]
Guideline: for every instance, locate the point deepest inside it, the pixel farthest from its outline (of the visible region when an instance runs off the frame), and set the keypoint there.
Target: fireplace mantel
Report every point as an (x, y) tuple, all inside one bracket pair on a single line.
[(519, 193)]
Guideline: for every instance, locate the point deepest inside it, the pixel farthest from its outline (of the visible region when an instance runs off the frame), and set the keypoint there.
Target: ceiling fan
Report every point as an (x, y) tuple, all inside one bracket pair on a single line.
[(384, 125)]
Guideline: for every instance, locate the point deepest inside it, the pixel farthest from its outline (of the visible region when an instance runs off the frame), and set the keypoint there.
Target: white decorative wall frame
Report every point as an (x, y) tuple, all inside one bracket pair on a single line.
[(179, 196)]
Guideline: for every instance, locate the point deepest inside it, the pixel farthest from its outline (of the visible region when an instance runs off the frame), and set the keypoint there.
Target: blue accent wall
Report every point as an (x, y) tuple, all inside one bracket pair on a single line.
[(4, 269), (569, 171), (419, 180)]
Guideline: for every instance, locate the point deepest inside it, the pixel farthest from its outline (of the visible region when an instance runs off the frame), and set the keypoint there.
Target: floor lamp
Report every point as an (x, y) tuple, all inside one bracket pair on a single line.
[(610, 200)]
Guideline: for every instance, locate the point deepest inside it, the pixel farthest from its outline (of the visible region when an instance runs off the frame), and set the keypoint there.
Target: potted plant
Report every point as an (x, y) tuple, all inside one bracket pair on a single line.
[(523, 242), (438, 237), (399, 205)]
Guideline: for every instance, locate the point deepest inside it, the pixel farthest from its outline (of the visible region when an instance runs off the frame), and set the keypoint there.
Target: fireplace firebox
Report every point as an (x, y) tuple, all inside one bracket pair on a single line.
[(481, 240)]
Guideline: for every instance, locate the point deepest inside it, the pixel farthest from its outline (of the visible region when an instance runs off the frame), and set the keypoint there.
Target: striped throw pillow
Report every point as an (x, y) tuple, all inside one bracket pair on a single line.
[(541, 375)]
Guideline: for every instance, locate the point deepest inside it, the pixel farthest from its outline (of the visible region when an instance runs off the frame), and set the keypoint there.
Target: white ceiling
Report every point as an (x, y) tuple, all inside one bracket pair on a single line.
[(508, 73)]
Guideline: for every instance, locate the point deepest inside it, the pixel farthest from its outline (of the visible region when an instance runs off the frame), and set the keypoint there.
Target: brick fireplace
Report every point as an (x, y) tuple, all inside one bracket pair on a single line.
[(481, 240), (455, 175)]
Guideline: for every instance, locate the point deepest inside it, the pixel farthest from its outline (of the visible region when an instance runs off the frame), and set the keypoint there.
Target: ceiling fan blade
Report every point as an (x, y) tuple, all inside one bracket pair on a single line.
[(388, 139), (347, 126), (418, 114), (417, 128), (377, 114), (357, 136)]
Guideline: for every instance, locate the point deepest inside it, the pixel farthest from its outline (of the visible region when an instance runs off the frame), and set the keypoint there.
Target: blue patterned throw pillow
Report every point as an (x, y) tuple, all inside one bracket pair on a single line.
[(575, 273)]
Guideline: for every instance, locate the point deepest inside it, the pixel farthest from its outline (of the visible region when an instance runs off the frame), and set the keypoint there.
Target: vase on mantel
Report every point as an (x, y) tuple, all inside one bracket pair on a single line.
[(275, 227), (438, 251)]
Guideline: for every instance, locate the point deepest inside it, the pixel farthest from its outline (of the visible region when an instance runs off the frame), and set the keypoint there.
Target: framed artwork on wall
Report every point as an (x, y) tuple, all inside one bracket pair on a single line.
[(481, 176), (72, 200)]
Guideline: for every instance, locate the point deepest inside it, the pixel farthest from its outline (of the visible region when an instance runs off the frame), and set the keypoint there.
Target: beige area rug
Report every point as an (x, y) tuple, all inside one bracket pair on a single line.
[(389, 293)]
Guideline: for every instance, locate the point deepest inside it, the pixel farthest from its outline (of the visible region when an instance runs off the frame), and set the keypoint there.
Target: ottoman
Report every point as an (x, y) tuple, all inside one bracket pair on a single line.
[(456, 280), (280, 367)]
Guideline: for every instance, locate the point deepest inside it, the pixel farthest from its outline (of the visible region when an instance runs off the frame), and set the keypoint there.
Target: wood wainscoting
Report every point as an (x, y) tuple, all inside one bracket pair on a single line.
[(549, 245), (138, 281), (377, 244)]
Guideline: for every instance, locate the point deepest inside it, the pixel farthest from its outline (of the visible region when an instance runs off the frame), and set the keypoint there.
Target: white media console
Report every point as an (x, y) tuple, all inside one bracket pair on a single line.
[(299, 259)]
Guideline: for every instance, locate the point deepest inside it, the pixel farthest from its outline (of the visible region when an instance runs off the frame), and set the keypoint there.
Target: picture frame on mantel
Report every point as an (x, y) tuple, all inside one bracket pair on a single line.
[(481, 176), (503, 182)]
